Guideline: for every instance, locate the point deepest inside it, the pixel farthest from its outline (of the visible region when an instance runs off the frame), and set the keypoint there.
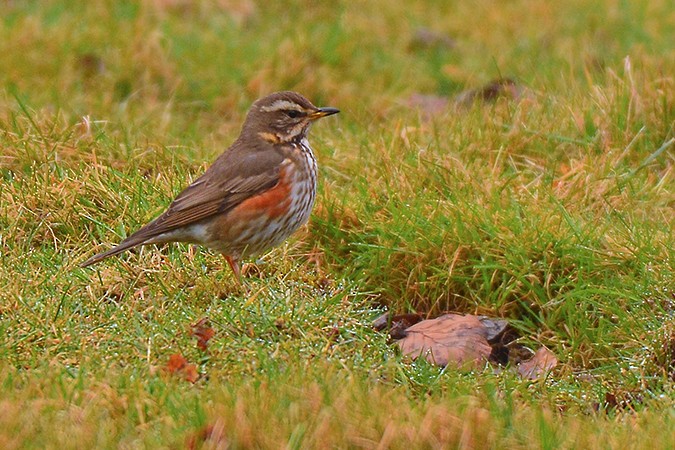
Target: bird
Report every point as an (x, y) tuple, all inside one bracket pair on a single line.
[(255, 195)]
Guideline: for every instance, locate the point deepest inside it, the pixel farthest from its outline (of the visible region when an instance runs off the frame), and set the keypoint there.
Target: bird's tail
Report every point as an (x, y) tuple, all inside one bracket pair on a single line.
[(123, 246)]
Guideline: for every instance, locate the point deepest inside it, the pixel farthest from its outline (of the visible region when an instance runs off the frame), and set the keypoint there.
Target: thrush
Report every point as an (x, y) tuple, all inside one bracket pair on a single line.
[(254, 196)]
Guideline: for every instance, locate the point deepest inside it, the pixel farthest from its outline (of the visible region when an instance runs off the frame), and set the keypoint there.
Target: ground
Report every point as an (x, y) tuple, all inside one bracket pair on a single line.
[(510, 159)]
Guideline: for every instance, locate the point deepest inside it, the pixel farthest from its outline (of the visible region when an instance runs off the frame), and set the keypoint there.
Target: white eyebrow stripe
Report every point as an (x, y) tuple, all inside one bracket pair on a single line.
[(282, 105)]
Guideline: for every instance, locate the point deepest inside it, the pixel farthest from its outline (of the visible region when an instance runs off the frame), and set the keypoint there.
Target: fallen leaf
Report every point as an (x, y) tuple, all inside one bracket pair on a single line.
[(451, 338), (396, 324), (519, 353), (499, 88), (179, 366), (428, 105), (203, 332), (497, 330), (400, 324), (381, 322), (539, 365), (499, 335), (176, 363), (190, 373)]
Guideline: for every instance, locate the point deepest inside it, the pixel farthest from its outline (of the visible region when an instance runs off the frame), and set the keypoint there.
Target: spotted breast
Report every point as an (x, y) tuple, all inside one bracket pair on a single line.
[(266, 220)]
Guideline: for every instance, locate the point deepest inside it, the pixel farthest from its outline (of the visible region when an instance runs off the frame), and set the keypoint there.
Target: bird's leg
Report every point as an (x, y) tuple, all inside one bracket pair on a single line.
[(241, 284), (234, 265)]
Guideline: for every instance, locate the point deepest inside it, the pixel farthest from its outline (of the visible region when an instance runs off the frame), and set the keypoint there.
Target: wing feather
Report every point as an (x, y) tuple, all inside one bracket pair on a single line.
[(236, 175)]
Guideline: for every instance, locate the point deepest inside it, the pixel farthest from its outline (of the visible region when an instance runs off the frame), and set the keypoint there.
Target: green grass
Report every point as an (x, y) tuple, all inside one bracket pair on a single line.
[(554, 211)]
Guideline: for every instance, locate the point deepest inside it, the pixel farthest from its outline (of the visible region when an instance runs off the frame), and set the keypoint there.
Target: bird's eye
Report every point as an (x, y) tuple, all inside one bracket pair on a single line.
[(293, 114)]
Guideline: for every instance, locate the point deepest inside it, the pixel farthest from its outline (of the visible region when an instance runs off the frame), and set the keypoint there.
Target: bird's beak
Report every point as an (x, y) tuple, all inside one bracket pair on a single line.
[(323, 112)]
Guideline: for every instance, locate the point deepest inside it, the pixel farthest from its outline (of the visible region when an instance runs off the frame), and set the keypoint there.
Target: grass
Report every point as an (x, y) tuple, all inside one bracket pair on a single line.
[(553, 210)]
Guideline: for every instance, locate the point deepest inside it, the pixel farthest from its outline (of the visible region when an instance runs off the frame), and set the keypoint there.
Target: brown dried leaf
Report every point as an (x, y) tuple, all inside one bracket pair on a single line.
[(498, 330), (190, 373), (500, 335), (203, 332), (381, 322), (519, 353), (397, 324), (179, 366), (428, 105), (539, 365), (176, 363), (448, 339), (401, 323), (499, 88)]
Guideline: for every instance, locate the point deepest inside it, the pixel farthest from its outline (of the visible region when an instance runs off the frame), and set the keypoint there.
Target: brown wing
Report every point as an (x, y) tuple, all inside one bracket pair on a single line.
[(239, 173), (235, 176)]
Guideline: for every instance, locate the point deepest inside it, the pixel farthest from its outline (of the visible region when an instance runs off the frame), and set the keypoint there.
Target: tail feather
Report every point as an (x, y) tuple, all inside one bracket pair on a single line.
[(123, 246)]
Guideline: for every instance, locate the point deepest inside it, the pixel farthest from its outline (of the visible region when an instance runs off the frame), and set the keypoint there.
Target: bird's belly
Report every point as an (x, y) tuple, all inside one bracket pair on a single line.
[(197, 233), (266, 220)]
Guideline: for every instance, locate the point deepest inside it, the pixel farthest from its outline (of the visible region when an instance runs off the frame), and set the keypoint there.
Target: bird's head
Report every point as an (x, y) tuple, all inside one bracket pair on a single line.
[(283, 117)]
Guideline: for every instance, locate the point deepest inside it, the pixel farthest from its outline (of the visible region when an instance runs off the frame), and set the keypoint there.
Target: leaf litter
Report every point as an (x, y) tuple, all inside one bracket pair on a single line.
[(450, 338), (466, 342), (203, 332), (178, 366), (539, 365), (432, 105)]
